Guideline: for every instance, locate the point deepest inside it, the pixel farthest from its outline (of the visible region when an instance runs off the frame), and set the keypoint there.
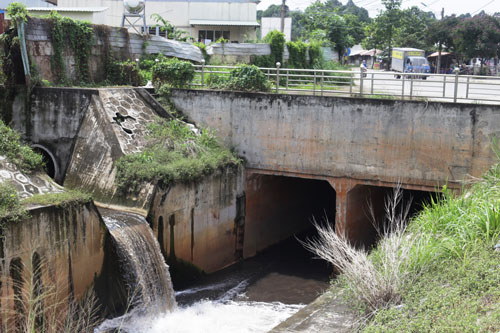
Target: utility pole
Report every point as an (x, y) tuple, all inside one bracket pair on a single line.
[(283, 13), (440, 47)]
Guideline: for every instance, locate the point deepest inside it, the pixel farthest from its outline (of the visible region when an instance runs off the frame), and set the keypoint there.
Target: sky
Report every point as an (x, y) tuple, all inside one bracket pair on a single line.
[(373, 6)]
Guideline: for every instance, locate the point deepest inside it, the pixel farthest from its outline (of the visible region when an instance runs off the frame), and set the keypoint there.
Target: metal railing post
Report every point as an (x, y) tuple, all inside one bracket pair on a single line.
[(287, 78), (361, 82), (403, 87), (411, 87), (278, 77), (467, 91), (322, 81), (444, 86), (456, 88), (203, 72), (352, 82), (314, 83), (371, 91)]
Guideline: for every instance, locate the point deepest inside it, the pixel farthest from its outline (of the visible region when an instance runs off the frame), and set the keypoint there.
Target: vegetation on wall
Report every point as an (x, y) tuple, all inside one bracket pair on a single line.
[(11, 209), (18, 12), (124, 73), (78, 36), (69, 198), (175, 153), (20, 155)]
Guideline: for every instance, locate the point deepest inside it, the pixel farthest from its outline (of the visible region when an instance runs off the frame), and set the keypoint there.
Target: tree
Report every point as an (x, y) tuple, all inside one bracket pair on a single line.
[(324, 16), (412, 27), (478, 36)]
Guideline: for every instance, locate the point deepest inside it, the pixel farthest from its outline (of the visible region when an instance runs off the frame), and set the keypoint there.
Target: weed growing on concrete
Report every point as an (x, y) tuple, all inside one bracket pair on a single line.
[(68, 198), (11, 209), (15, 152), (176, 152)]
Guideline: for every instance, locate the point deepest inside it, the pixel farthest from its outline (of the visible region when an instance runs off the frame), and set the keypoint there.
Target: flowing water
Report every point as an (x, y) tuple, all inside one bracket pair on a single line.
[(252, 296), (140, 256)]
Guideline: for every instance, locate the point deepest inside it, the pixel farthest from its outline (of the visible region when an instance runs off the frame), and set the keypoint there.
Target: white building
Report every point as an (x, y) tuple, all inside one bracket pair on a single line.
[(204, 20), (274, 23)]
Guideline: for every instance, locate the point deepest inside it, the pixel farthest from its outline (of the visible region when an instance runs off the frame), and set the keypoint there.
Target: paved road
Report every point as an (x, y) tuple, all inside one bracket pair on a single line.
[(433, 88)]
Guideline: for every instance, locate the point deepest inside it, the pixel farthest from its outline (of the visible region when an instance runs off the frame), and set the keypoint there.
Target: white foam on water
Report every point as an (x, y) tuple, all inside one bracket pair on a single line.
[(215, 317)]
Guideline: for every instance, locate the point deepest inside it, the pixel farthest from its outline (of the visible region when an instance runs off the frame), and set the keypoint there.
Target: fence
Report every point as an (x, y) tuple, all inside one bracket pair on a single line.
[(452, 87)]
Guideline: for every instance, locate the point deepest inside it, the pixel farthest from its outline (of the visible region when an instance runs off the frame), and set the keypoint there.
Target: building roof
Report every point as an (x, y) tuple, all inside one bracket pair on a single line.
[(68, 9), (224, 23), (436, 54)]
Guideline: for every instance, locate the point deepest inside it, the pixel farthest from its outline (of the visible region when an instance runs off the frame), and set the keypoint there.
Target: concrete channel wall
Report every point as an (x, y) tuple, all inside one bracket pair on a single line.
[(415, 143), (361, 147)]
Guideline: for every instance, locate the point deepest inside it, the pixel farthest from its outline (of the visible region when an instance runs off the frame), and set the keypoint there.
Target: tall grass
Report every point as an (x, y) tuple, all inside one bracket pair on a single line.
[(40, 307), (376, 280)]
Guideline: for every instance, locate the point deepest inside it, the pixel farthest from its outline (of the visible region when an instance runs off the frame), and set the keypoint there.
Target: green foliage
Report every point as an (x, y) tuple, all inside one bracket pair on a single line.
[(11, 209), (174, 154), (78, 36), (174, 72), (276, 40), (478, 36), (203, 49), (69, 198), (297, 55), (172, 32), (454, 295), (242, 78), (412, 28), (124, 73), (18, 12), (11, 53), (315, 54), (20, 155)]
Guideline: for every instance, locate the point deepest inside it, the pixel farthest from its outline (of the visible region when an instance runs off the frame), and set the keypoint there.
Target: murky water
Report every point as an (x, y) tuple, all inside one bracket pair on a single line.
[(251, 296)]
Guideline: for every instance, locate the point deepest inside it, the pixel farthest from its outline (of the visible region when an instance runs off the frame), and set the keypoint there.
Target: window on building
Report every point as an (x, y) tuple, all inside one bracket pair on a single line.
[(208, 36)]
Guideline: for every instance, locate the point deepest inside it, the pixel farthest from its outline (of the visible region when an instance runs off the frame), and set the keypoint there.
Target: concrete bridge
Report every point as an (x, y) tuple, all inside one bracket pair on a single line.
[(333, 155)]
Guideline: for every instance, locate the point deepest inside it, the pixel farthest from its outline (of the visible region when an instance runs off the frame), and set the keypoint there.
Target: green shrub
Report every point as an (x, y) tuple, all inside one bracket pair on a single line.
[(20, 155), (18, 12), (203, 49), (276, 40), (248, 78), (10, 205), (217, 81), (297, 55), (174, 72), (124, 73), (315, 54)]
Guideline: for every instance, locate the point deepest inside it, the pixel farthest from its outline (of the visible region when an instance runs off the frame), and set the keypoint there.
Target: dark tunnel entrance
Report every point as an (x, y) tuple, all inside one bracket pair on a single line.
[(49, 161), (279, 207), (364, 224)]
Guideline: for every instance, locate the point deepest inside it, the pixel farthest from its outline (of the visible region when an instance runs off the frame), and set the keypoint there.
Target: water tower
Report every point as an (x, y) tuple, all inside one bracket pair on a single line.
[(133, 12)]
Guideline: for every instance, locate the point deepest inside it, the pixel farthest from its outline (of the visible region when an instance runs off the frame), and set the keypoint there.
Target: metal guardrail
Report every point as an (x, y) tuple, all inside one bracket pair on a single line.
[(410, 86)]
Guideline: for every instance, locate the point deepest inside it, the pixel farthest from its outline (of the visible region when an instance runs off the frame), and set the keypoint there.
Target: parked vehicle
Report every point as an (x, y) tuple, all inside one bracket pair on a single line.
[(409, 60)]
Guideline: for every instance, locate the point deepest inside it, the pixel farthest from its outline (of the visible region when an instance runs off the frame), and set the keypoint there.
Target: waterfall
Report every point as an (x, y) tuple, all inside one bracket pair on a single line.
[(145, 269)]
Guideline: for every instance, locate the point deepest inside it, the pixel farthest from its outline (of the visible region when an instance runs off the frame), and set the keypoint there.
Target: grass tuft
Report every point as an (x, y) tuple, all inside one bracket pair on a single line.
[(11, 209), (175, 153), (69, 198)]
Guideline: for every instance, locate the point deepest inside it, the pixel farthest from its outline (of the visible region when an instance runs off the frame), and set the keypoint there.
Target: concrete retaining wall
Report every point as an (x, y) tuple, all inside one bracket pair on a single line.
[(68, 244), (122, 44), (370, 141), (202, 222)]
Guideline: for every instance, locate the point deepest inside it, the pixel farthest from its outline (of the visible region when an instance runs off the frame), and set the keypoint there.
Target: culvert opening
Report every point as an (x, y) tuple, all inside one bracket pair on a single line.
[(366, 211), (50, 164)]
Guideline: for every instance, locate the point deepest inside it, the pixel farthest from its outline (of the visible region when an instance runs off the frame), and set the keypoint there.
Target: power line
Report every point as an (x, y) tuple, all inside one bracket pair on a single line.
[(489, 3)]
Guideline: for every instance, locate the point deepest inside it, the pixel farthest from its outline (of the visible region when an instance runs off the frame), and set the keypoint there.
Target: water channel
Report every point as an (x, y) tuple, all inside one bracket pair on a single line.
[(254, 295)]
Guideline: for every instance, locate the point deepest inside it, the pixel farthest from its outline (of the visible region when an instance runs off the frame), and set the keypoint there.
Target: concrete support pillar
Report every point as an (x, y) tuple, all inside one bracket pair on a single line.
[(353, 217)]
